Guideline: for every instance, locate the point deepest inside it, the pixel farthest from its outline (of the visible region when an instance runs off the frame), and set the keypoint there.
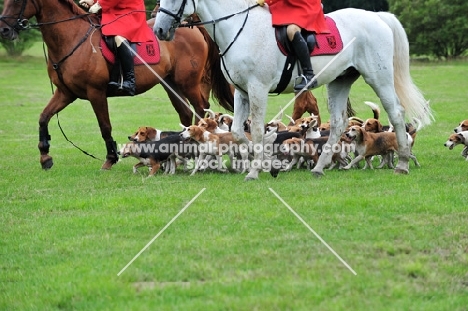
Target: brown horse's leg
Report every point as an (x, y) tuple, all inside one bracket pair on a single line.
[(305, 102), (181, 107), (55, 105), (101, 110), (193, 92)]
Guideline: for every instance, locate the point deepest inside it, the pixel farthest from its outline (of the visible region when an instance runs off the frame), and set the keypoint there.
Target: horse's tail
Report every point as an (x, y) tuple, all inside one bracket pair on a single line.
[(411, 98), (222, 91)]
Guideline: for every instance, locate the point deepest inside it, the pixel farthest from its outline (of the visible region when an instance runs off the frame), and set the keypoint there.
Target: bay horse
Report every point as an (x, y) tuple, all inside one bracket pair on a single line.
[(375, 47), (72, 37)]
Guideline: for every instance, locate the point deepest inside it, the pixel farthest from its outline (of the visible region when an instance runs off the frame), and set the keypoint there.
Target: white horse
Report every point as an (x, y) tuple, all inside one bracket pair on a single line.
[(376, 47)]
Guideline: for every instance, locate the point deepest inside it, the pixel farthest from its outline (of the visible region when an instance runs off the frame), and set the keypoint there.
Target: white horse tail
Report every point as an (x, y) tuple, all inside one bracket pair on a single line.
[(411, 98)]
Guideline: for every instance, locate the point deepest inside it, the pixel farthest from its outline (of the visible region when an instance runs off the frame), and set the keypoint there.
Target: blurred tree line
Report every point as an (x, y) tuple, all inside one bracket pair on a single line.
[(25, 41), (437, 28)]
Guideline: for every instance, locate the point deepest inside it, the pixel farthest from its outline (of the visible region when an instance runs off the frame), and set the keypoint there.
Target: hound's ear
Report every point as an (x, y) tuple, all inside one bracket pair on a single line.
[(363, 133), (380, 127), (462, 138)]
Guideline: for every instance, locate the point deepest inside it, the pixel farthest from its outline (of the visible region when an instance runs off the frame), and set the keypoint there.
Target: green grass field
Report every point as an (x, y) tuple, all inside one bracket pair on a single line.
[(67, 232)]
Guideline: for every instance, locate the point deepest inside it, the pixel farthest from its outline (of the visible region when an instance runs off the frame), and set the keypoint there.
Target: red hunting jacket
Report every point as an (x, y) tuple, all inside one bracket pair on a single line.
[(118, 19), (307, 14)]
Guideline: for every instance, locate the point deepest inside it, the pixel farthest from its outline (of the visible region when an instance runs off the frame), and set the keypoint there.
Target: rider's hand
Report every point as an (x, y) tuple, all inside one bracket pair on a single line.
[(86, 3), (95, 8), (261, 2)]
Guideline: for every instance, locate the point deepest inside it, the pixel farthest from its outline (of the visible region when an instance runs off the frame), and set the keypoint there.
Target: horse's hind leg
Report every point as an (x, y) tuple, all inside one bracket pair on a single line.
[(396, 114), (338, 92), (56, 104)]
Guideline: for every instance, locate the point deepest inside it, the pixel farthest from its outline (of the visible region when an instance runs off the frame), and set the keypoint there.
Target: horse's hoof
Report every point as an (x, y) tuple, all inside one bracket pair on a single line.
[(247, 178), (107, 165), (401, 171), (317, 173), (46, 162)]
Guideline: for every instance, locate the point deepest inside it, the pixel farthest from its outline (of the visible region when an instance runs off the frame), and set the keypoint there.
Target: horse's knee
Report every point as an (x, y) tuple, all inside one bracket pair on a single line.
[(237, 134)]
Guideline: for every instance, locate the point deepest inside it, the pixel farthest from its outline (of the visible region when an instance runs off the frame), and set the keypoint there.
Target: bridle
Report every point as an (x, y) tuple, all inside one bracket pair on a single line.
[(178, 19), (177, 16), (21, 23)]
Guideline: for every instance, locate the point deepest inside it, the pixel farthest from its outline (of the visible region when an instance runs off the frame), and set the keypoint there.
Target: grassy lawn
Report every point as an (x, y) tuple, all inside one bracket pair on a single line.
[(66, 233)]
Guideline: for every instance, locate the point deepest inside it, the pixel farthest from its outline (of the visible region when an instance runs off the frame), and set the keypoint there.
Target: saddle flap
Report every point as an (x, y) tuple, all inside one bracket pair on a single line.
[(148, 52), (325, 43)]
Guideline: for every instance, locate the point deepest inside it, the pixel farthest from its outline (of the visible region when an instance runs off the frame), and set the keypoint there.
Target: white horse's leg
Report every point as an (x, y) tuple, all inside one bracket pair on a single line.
[(241, 114), (258, 102), (396, 114), (338, 92)]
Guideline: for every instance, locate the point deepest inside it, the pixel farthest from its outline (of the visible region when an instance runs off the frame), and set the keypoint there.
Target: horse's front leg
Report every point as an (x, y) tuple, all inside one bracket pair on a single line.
[(338, 92), (258, 102), (101, 110), (241, 114), (55, 105), (179, 102)]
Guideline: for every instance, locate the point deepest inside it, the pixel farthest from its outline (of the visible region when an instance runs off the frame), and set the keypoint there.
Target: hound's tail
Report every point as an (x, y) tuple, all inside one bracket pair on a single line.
[(375, 109), (411, 98)]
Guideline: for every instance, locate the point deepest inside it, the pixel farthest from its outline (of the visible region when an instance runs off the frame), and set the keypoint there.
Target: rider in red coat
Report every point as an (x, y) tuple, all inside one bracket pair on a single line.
[(125, 20), (300, 17)]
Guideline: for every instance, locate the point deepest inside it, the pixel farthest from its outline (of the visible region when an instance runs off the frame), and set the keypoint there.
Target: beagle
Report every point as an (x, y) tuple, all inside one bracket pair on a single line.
[(299, 148), (463, 126), (225, 122), (213, 115), (351, 122), (208, 145), (147, 134), (309, 150), (371, 144), (275, 125), (211, 126), (152, 154), (460, 138), (235, 149)]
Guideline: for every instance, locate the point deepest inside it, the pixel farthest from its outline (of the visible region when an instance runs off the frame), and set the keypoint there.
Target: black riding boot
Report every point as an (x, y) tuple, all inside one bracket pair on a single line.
[(125, 56), (302, 53)]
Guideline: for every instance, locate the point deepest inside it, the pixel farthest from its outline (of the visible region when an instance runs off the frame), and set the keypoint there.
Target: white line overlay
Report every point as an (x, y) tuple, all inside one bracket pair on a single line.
[(162, 230), (311, 230), (314, 78)]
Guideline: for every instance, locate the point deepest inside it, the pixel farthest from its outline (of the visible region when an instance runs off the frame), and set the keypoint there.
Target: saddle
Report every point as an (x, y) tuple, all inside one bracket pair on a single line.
[(319, 44), (148, 52)]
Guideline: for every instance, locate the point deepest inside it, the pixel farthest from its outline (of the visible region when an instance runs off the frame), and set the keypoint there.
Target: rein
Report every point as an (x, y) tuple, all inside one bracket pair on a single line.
[(214, 21), (177, 19)]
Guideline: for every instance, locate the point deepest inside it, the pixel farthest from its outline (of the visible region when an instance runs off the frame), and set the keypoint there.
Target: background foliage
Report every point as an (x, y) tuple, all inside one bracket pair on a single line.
[(434, 27), (374, 5)]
